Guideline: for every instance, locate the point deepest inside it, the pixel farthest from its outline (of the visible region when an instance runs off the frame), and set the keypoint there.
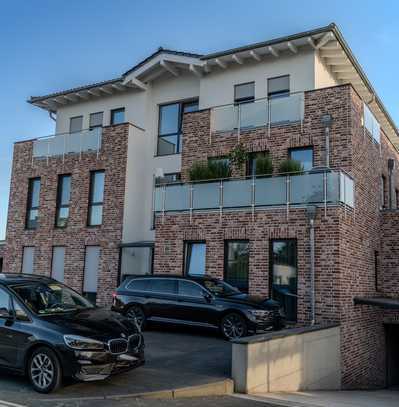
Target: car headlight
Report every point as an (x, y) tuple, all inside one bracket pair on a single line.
[(259, 313), (82, 343)]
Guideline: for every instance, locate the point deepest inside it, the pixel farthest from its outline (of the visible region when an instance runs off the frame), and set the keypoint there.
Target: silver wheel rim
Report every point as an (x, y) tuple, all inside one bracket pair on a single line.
[(137, 314), (42, 371), (233, 327)]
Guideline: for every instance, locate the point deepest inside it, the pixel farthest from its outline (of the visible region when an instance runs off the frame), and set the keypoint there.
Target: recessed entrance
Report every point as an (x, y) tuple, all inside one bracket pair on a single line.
[(392, 346)]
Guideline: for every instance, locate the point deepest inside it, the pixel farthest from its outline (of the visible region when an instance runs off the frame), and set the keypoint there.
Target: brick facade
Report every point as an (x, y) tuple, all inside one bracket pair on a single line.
[(77, 235), (346, 240)]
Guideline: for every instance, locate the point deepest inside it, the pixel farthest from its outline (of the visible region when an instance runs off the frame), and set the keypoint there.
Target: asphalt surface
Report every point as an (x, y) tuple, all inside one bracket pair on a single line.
[(175, 357)]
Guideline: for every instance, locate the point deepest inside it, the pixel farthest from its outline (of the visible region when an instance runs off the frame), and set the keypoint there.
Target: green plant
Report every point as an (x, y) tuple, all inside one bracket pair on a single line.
[(238, 156), (219, 169), (264, 165), (290, 165), (205, 170)]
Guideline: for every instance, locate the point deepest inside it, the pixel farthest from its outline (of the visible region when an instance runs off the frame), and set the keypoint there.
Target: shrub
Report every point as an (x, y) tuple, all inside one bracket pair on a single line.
[(290, 165), (238, 156), (219, 169), (203, 170), (264, 165)]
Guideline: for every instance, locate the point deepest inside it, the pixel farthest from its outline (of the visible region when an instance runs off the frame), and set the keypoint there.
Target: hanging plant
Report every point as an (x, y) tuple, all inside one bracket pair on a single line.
[(238, 156)]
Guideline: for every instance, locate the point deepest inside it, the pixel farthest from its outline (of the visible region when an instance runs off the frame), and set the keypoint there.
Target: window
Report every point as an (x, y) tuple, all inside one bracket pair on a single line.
[(63, 198), (189, 289), (168, 178), (96, 120), (75, 124), (96, 198), (28, 256), (304, 156), (170, 126), (92, 263), (32, 212), (383, 191), (57, 263), (236, 263), (118, 116), (20, 313), (284, 275), (136, 260), (139, 285), (278, 87), (251, 163), (163, 285), (5, 304), (244, 92), (194, 258)]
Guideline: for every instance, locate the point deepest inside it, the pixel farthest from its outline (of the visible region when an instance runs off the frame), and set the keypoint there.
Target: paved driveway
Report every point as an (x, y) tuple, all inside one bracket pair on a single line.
[(175, 357)]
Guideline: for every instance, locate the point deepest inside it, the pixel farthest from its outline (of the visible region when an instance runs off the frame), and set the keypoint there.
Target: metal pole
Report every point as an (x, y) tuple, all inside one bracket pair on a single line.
[(312, 274), (239, 122)]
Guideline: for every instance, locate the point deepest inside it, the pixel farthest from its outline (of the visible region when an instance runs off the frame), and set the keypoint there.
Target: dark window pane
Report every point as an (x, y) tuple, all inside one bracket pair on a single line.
[(32, 206), (75, 124), (139, 285), (118, 116), (169, 119), (190, 107), (237, 264), (4, 304), (96, 120), (163, 285), (96, 215), (65, 192), (304, 156), (284, 275), (168, 145), (62, 216), (190, 289), (244, 92), (97, 186), (277, 87), (35, 193), (194, 259)]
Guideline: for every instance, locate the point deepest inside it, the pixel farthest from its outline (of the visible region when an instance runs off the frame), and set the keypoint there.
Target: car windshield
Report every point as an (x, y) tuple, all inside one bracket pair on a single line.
[(220, 288), (51, 298)]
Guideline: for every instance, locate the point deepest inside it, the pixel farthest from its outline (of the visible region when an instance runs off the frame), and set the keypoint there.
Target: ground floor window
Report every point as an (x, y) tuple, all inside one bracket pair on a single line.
[(236, 263), (136, 259), (194, 258), (92, 264), (284, 275), (28, 258), (57, 263)]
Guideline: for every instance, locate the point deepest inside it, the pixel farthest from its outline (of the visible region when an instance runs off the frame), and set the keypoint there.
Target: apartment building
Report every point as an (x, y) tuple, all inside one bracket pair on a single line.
[(114, 191)]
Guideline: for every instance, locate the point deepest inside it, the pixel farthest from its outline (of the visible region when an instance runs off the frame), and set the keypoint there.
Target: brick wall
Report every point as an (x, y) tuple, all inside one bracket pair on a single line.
[(76, 236)]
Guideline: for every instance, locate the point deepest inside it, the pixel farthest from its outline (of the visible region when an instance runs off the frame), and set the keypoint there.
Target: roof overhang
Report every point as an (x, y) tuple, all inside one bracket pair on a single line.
[(386, 303)]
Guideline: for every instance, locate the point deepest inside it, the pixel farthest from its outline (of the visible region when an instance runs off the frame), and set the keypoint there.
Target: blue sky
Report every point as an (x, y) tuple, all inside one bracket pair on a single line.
[(47, 46)]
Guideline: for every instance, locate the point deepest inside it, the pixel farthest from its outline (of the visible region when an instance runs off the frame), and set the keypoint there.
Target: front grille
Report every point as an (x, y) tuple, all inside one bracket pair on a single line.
[(134, 342), (117, 346)]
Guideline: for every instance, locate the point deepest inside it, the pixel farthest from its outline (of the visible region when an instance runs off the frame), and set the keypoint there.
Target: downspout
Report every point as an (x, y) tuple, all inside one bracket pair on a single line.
[(51, 114), (311, 214)]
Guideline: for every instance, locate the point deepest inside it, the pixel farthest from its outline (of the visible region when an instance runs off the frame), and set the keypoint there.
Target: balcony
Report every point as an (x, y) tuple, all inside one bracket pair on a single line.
[(68, 143), (317, 187), (265, 112)]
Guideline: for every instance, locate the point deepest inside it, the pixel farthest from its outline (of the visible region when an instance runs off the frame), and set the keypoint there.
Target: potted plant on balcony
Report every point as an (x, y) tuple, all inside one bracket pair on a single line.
[(239, 156), (264, 165), (290, 166), (208, 170)]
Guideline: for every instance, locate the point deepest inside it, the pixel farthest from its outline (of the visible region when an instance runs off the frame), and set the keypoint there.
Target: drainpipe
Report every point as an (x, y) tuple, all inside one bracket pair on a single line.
[(326, 121), (391, 167), (51, 114), (311, 214)]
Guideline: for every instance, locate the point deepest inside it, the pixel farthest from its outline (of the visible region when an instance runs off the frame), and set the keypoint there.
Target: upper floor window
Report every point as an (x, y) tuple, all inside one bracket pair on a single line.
[(63, 198), (304, 155), (32, 210), (96, 120), (96, 198), (170, 126), (244, 92), (75, 124), (253, 158), (277, 87), (118, 116)]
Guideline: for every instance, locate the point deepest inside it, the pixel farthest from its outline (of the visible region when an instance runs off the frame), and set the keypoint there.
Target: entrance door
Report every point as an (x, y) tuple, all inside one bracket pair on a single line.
[(392, 343)]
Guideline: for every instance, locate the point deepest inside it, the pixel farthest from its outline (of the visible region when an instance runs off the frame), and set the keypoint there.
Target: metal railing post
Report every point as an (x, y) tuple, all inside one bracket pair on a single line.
[(80, 145), (325, 193), (48, 151), (163, 203), (99, 132), (191, 202), (239, 122), (220, 200), (288, 194), (269, 108), (64, 150), (253, 198)]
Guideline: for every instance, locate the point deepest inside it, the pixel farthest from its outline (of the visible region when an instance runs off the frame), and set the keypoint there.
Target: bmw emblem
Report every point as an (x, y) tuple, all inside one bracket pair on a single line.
[(123, 335)]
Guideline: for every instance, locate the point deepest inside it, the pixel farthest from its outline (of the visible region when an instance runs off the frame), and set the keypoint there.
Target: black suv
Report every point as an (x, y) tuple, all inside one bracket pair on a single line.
[(201, 301), (48, 331)]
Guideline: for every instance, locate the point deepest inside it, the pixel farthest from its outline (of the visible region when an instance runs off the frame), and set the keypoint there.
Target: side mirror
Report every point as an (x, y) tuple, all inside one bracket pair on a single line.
[(6, 314), (208, 296)]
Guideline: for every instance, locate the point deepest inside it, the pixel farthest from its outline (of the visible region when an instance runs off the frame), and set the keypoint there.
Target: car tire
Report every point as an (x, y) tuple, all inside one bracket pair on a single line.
[(135, 311), (233, 326), (44, 370)]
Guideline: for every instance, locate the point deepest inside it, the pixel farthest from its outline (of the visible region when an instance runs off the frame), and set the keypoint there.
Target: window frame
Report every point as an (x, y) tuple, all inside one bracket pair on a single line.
[(84, 293), (226, 260), (178, 134), (186, 243), (91, 203), (59, 204), (238, 101), (70, 122), (98, 125), (29, 204), (291, 149), (282, 93), (117, 110)]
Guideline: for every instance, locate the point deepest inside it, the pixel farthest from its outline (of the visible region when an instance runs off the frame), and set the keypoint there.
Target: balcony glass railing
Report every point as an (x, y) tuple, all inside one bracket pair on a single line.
[(314, 187), (68, 143), (259, 113)]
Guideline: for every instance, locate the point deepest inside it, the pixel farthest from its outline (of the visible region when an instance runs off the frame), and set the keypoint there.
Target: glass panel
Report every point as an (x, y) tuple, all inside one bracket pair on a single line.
[(304, 156), (168, 145), (254, 114), (206, 196), (57, 267), (371, 123), (96, 215), (57, 145), (244, 91), (62, 217), (237, 264), (136, 261), (4, 304), (91, 139), (73, 142), (65, 189), (284, 276), (177, 198), (237, 193), (270, 191), (117, 116), (307, 188), (139, 284), (33, 216), (286, 109), (97, 193), (35, 192), (158, 199), (163, 285), (41, 148), (169, 119), (189, 289), (28, 260), (92, 263), (225, 118), (347, 190), (75, 124), (190, 107), (195, 259), (332, 187), (96, 119)]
